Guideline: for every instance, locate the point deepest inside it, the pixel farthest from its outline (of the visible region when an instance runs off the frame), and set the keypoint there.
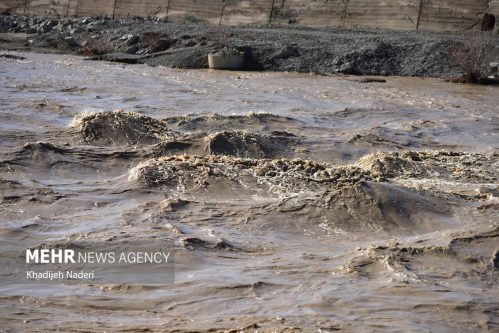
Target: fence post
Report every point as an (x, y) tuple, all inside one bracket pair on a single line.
[(271, 12), (345, 13), (76, 7), (167, 8), (222, 13), (419, 13), (114, 8)]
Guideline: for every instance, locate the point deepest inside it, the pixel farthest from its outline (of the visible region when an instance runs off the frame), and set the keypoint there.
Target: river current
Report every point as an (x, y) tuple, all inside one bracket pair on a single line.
[(295, 202)]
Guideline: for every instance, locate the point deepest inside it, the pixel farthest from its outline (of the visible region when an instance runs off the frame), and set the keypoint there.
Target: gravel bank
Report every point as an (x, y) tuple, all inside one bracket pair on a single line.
[(299, 49)]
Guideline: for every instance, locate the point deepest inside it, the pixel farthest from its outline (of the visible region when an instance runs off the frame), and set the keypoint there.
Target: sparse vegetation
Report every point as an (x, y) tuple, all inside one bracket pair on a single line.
[(219, 38), (95, 46), (157, 41), (193, 19), (60, 41), (473, 57), (285, 15)]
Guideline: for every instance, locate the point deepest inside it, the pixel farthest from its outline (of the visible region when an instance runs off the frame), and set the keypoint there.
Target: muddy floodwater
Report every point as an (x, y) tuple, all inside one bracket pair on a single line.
[(295, 202)]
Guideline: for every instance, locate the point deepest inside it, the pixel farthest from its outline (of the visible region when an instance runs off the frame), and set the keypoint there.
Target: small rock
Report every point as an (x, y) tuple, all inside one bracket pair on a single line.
[(44, 28), (125, 37), (132, 40), (189, 43), (288, 51), (495, 259), (347, 68), (132, 49)]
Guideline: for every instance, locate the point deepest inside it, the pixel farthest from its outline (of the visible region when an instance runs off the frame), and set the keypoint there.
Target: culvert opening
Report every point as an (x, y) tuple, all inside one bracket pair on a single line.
[(488, 22)]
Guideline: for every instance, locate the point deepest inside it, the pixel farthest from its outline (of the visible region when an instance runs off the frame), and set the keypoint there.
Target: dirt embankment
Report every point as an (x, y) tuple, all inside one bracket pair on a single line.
[(185, 45)]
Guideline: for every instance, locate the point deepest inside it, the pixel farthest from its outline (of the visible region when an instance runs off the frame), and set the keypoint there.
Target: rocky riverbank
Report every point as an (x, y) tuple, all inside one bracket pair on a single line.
[(185, 45)]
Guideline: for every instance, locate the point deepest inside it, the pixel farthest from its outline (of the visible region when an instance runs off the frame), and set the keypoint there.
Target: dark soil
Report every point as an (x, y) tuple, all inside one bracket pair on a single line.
[(287, 48)]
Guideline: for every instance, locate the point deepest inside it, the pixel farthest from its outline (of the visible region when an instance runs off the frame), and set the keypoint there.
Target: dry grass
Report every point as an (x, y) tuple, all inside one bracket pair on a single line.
[(220, 37), (59, 41), (157, 42), (473, 56), (95, 47)]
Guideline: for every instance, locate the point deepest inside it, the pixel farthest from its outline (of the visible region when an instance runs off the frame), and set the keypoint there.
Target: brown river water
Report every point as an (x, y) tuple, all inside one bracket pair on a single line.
[(295, 202)]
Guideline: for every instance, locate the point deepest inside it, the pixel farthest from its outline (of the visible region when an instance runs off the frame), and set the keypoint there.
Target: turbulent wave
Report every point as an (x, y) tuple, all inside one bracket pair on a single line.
[(367, 194), (119, 127)]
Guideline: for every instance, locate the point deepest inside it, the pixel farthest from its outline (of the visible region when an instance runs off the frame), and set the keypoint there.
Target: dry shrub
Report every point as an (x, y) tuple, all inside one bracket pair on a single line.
[(95, 46), (473, 56), (60, 42), (157, 42), (220, 37)]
